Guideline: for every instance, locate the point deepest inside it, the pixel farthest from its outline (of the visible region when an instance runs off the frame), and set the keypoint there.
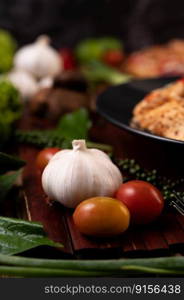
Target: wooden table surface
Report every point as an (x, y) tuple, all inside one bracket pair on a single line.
[(163, 237)]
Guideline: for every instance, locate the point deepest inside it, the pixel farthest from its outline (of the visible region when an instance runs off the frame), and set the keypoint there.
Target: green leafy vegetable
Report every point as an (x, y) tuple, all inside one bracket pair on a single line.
[(10, 109), (17, 236), (7, 49), (6, 183), (96, 72), (10, 104), (75, 125), (10, 163), (93, 48), (90, 52), (5, 132)]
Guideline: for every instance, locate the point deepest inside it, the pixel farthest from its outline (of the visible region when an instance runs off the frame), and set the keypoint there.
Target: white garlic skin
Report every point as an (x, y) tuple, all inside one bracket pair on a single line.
[(24, 82), (75, 175), (46, 82), (39, 59)]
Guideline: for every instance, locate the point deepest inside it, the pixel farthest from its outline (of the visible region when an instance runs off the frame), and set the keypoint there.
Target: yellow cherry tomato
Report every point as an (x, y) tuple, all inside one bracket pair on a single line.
[(101, 217)]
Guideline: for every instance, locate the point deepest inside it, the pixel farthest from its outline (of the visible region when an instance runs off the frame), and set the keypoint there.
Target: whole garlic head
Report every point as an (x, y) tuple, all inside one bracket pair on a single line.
[(24, 82), (74, 175), (39, 59)]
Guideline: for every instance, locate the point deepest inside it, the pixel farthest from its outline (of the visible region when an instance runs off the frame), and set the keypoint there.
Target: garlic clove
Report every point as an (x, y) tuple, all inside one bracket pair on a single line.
[(24, 82), (39, 59)]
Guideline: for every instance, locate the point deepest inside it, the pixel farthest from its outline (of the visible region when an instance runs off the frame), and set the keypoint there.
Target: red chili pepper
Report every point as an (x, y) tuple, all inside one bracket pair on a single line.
[(68, 59), (113, 57)]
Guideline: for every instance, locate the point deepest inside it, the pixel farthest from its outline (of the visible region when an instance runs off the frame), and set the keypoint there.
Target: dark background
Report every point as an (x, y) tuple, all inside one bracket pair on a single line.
[(137, 22)]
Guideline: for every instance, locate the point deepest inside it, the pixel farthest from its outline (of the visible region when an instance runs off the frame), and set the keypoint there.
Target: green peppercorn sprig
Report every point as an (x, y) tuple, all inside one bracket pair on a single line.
[(168, 186), (40, 138), (52, 138)]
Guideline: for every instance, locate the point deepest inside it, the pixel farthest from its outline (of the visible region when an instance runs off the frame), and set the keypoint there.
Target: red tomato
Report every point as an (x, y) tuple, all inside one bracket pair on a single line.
[(113, 57), (44, 156), (144, 201), (68, 59)]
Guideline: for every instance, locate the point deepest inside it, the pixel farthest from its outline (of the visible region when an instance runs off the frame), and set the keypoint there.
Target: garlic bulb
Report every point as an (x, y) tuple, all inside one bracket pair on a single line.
[(46, 82), (24, 82), (39, 59), (74, 175)]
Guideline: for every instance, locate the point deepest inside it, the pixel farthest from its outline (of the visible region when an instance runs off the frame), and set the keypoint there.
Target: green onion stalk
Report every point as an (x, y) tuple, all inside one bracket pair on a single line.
[(35, 267)]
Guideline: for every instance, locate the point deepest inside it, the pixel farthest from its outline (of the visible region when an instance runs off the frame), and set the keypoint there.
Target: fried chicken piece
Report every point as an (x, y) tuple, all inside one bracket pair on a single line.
[(162, 111), (159, 60)]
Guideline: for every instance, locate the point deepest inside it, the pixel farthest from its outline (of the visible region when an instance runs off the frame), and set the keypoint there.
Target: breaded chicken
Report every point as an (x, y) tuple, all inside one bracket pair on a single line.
[(162, 111), (159, 60)]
